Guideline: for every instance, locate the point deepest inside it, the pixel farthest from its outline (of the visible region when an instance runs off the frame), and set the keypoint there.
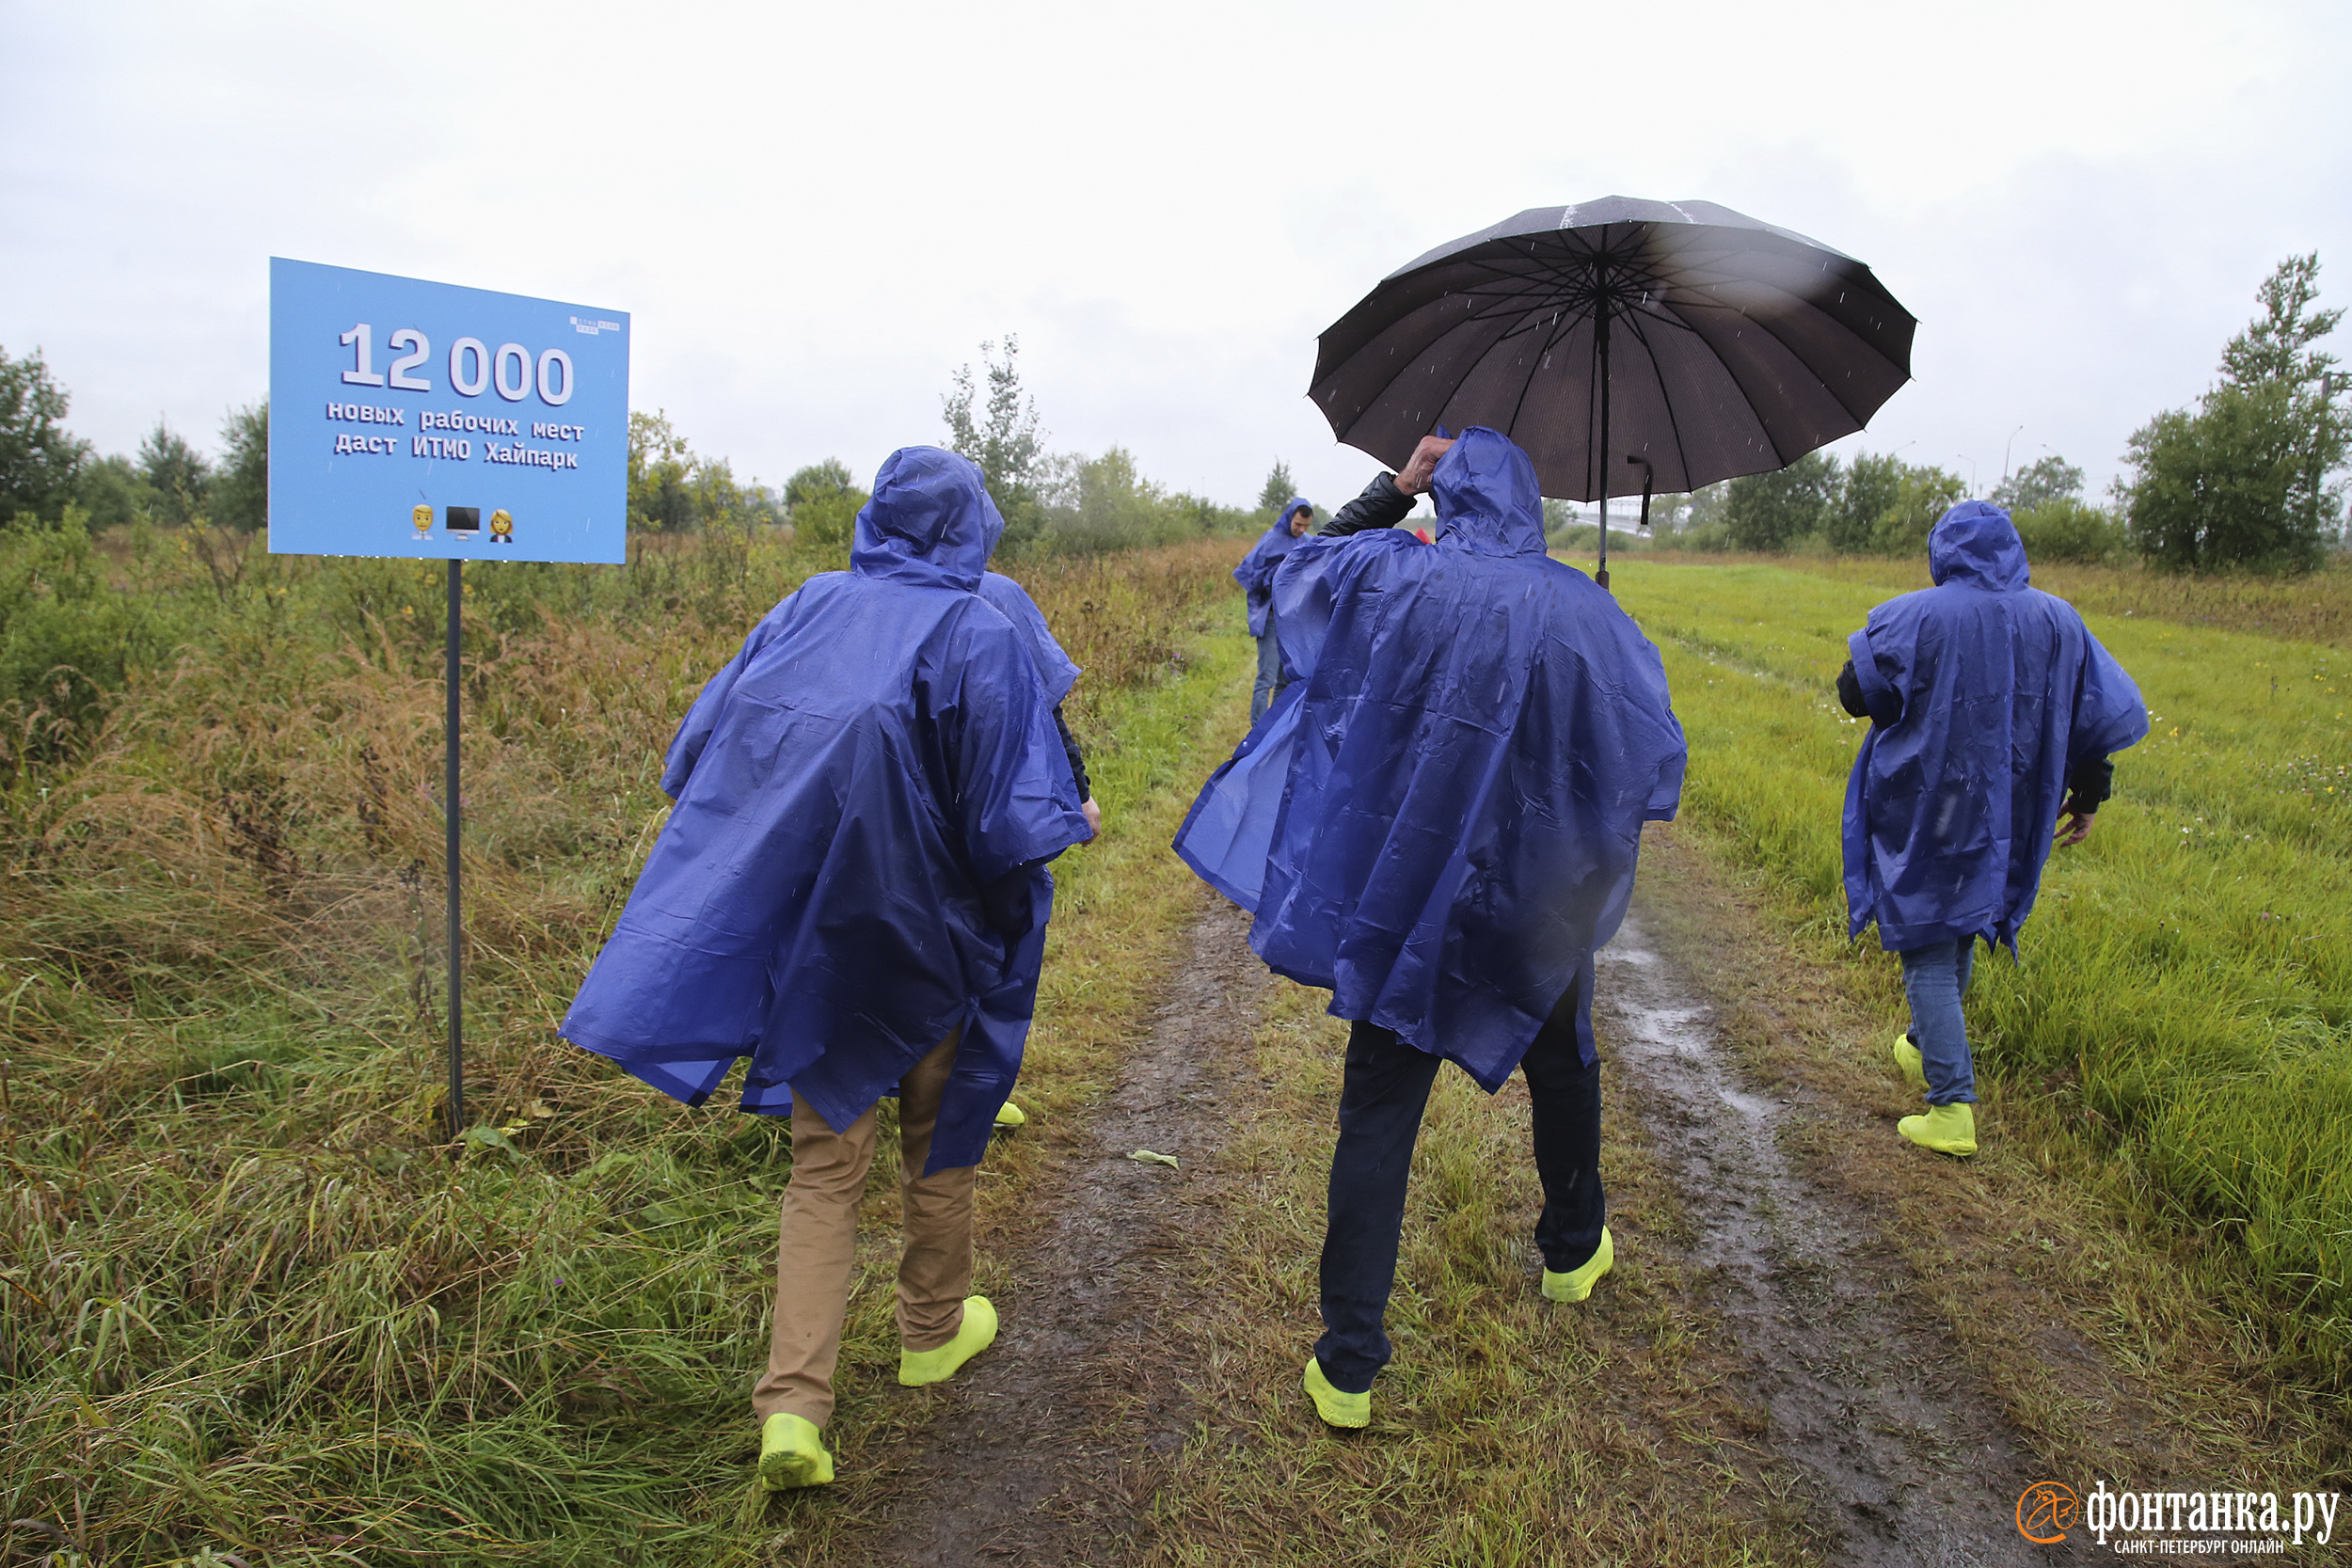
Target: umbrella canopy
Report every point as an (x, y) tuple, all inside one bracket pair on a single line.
[(1680, 334)]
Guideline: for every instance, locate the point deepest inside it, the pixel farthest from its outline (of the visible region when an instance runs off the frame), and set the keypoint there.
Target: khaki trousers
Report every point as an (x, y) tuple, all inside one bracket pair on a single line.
[(817, 1243)]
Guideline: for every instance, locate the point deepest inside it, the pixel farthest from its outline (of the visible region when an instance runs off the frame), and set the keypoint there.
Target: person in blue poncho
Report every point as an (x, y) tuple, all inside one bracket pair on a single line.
[(1438, 823), (851, 892), (1994, 713), (1256, 576), (1058, 673)]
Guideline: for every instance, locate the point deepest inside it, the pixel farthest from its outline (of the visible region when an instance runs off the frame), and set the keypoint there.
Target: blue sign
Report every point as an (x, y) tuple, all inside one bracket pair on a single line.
[(420, 419)]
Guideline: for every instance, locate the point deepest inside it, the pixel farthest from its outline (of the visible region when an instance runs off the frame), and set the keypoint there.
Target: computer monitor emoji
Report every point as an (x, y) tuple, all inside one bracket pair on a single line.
[(462, 519)]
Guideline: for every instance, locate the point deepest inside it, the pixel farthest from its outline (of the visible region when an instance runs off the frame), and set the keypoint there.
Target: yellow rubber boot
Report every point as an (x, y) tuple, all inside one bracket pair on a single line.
[(1945, 1129), (975, 1335), (1009, 1115), (790, 1455), (1336, 1408), (1578, 1282), (1908, 1058)]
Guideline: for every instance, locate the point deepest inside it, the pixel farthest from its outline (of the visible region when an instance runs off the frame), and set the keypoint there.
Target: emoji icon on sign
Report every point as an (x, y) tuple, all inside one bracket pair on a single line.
[(502, 527), (466, 520), (421, 518)]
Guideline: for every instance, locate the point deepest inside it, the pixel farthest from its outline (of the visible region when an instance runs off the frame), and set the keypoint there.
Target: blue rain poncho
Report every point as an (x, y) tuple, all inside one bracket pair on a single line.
[(1012, 601), (1256, 572), (999, 1029), (1438, 822), (865, 798), (1984, 695)]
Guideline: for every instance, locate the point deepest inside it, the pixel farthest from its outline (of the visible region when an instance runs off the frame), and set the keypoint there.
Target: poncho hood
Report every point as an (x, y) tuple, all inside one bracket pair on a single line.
[(930, 523), (1975, 543), (1289, 508), (1487, 498)]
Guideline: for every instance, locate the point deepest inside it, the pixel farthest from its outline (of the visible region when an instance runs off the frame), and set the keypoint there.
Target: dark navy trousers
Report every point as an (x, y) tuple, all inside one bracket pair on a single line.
[(1382, 1100)]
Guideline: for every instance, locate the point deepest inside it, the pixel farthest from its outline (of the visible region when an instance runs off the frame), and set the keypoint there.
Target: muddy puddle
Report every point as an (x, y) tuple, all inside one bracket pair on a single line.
[(1867, 1394)]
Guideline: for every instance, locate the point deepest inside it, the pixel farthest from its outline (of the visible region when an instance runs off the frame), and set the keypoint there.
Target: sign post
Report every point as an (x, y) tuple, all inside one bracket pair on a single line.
[(397, 429)]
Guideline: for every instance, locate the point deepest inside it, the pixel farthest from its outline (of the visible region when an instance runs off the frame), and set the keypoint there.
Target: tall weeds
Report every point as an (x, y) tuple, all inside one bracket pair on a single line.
[(247, 1299)]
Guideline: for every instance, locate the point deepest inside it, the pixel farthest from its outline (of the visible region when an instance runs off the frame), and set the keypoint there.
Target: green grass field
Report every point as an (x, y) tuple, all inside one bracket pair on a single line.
[(248, 1305), (2186, 990)]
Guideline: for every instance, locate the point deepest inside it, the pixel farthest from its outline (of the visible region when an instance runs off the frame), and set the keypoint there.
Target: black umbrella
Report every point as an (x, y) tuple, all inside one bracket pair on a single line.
[(1677, 337)]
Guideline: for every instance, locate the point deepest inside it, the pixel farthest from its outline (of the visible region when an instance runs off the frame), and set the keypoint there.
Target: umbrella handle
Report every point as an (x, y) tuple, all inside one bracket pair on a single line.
[(1649, 482)]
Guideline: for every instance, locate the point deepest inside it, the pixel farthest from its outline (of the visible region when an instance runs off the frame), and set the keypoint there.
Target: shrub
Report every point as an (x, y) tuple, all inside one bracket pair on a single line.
[(2066, 528), (67, 639)]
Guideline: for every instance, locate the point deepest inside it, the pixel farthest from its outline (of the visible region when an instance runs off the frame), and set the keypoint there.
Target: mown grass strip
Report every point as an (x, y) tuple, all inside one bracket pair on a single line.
[(2315, 607), (1509, 1430)]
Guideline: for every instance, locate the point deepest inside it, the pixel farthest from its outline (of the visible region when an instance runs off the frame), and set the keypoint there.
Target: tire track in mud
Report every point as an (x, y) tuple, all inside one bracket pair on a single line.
[(1868, 1394), (1056, 1439)]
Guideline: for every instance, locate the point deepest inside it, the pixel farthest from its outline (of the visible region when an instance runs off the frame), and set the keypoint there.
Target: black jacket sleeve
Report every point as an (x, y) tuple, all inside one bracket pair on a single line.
[(1381, 506), (1850, 693), (1077, 760), (2092, 783)]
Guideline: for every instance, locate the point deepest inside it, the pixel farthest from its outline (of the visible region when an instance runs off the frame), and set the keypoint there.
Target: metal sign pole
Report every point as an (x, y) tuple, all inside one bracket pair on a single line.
[(449, 786)]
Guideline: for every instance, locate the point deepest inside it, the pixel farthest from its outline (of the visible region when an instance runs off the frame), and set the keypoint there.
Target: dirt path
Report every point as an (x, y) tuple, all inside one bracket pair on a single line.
[(1059, 1435), (1052, 1449), (1867, 1393)]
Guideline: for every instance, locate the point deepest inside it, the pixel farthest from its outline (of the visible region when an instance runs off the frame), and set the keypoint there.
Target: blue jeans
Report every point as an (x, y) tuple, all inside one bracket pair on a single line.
[(1270, 682), (1382, 1100), (1935, 977)]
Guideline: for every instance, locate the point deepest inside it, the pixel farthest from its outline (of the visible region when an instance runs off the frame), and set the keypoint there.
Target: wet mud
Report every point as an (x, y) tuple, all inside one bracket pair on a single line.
[(1056, 1439), (1869, 1396)]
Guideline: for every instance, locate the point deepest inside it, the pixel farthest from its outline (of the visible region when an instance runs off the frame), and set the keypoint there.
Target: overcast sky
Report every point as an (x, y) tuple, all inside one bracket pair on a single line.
[(815, 213)]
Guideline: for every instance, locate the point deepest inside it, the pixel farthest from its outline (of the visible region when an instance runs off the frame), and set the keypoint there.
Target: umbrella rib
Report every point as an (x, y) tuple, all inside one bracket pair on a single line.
[(1682, 457), (1772, 331), (1558, 335), (1391, 381), (1394, 378), (1835, 396)]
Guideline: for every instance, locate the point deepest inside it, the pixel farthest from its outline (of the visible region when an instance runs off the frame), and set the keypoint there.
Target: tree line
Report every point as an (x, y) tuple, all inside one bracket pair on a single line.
[(1052, 502), (2251, 477), (46, 468), (2248, 479)]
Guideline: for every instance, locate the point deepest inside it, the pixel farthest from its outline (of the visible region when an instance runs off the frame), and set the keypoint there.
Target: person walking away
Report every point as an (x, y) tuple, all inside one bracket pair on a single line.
[(1058, 673), (1994, 713), (1481, 735), (851, 881), (1256, 576)]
